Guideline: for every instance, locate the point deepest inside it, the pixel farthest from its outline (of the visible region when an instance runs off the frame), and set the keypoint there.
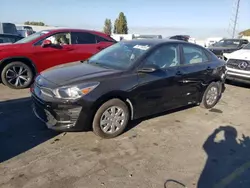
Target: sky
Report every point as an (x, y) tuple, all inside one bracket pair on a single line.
[(198, 18)]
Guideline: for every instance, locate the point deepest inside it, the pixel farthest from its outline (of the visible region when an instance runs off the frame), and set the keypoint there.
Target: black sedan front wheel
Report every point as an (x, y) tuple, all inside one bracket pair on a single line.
[(111, 119)]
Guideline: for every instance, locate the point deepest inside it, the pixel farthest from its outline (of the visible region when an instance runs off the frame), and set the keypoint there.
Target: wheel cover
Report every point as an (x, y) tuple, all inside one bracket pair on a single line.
[(112, 120), (17, 76), (212, 95)]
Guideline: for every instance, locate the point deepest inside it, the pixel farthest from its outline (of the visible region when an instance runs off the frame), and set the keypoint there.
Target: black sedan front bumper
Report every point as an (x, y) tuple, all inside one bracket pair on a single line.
[(59, 117)]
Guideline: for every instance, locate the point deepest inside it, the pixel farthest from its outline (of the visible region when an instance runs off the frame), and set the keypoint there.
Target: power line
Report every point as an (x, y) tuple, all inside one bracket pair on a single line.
[(234, 20)]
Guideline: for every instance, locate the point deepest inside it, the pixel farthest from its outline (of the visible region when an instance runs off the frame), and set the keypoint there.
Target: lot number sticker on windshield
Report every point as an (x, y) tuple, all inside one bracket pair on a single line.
[(141, 47)]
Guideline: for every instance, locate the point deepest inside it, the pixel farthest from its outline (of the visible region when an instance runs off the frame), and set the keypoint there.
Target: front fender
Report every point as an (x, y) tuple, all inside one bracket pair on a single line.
[(18, 58), (122, 95)]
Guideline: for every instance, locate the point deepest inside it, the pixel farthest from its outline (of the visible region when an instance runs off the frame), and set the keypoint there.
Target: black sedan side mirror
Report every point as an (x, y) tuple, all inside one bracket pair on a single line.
[(149, 68)]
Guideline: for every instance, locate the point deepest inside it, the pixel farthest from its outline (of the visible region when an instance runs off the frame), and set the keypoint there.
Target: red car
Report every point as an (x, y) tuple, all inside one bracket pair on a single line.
[(21, 61)]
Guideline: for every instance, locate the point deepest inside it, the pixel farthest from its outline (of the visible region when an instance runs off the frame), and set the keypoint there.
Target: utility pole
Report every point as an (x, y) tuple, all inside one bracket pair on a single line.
[(234, 20)]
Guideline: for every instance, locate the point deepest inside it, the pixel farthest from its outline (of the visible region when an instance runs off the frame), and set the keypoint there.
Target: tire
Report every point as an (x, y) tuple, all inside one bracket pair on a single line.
[(13, 70), (216, 97), (116, 104)]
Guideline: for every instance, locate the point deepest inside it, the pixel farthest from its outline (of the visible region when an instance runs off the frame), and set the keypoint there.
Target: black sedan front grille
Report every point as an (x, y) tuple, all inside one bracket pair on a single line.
[(39, 110), (238, 64), (59, 111)]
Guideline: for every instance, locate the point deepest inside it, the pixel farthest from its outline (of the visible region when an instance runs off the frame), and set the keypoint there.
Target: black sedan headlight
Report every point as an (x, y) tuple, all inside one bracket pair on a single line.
[(75, 92)]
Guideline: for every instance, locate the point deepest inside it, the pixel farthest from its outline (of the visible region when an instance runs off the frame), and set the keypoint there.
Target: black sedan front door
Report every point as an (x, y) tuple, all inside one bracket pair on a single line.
[(156, 91)]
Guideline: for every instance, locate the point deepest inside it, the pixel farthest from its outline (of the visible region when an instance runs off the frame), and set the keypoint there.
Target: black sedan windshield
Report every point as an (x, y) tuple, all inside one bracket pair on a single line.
[(227, 43), (121, 55)]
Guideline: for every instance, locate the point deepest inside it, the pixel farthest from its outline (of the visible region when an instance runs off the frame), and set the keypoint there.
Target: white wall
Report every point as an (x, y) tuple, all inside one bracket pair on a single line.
[(246, 37)]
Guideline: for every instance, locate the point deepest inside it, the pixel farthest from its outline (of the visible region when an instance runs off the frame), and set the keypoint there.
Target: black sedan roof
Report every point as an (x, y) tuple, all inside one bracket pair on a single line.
[(152, 42)]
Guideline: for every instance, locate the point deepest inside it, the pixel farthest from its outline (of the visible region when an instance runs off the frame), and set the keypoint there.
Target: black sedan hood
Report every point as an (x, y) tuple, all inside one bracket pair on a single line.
[(74, 74)]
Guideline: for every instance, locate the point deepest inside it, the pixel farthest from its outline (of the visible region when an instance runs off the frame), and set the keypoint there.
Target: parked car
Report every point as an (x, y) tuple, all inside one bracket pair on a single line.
[(147, 37), (9, 38), (180, 37), (25, 31), (227, 46), (126, 81), (192, 40), (210, 41), (21, 61), (238, 65), (8, 28)]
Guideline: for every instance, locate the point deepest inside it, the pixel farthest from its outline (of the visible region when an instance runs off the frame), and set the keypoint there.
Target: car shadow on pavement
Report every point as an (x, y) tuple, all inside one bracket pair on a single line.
[(20, 130), (228, 160)]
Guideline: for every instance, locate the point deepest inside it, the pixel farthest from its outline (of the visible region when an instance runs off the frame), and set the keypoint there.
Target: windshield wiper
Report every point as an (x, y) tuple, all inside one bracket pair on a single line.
[(98, 64), (84, 61)]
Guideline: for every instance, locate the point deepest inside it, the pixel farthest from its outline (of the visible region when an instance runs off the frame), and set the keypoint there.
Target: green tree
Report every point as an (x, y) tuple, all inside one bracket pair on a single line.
[(245, 33), (121, 25), (107, 27), (115, 26)]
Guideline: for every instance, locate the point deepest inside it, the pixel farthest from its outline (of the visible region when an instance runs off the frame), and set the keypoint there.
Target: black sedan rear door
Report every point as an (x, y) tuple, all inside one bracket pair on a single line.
[(194, 72)]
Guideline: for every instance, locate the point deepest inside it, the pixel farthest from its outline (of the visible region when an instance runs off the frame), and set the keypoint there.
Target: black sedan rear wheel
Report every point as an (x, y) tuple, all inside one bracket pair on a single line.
[(211, 96)]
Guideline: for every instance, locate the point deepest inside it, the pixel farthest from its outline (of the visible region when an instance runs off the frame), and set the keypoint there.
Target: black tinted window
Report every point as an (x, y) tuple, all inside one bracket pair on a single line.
[(165, 56), (83, 38), (9, 28), (100, 39), (194, 54)]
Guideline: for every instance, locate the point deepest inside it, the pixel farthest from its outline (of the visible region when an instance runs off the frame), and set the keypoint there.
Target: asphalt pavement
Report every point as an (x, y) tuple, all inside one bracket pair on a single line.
[(184, 146)]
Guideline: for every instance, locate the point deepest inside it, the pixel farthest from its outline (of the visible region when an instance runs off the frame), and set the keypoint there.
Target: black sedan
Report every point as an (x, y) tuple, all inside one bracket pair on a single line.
[(126, 81), (9, 38), (227, 46), (180, 37)]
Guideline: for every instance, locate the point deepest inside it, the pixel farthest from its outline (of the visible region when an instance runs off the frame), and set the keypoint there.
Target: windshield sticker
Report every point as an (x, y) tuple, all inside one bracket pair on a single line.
[(142, 47)]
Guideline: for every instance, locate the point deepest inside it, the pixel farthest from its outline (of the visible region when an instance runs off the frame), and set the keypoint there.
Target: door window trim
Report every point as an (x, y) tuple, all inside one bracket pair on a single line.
[(195, 46), (157, 47), (36, 43)]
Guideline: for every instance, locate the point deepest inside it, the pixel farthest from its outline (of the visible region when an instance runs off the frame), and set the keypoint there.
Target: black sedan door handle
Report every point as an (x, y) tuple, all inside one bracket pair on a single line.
[(179, 73), (209, 68)]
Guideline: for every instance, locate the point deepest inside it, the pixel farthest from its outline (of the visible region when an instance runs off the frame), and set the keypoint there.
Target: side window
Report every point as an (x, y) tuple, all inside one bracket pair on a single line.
[(193, 54), (82, 38), (165, 56), (58, 38), (100, 39)]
